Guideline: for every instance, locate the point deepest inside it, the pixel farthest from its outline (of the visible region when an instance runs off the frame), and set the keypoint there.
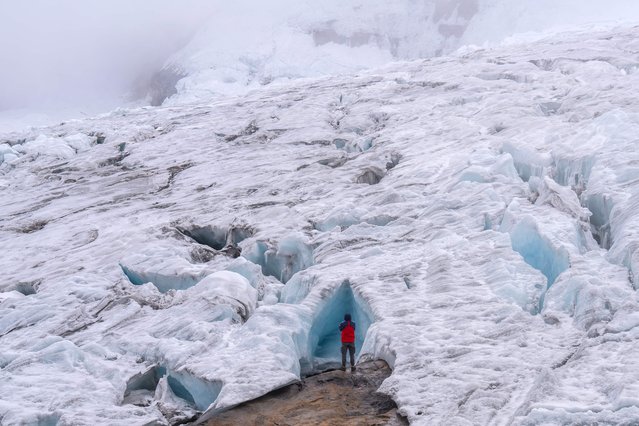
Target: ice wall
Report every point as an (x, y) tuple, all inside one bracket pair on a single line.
[(535, 245), (142, 388), (291, 255), (538, 252)]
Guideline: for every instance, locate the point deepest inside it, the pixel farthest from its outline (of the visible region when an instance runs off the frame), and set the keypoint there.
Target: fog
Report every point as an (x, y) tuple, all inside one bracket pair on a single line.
[(250, 43), (66, 58), (87, 54)]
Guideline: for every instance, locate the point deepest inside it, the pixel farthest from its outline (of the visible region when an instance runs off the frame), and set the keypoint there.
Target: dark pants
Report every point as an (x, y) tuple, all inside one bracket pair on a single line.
[(350, 347)]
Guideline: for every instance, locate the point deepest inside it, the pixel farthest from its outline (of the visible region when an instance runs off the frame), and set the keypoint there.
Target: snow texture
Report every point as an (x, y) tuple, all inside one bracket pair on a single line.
[(477, 214)]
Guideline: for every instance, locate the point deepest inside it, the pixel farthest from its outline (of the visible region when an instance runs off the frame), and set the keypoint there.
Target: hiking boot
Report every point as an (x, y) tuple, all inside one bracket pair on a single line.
[(353, 369), (343, 368)]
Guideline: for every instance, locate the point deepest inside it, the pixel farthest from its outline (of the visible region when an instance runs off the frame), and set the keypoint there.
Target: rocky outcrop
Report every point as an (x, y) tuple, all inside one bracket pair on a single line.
[(330, 398)]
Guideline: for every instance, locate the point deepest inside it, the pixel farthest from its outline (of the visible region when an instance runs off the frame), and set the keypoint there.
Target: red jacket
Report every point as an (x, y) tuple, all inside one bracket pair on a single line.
[(348, 331)]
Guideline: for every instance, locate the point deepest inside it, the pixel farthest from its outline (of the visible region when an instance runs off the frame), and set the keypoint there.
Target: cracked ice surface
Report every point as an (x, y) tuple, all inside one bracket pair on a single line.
[(475, 254)]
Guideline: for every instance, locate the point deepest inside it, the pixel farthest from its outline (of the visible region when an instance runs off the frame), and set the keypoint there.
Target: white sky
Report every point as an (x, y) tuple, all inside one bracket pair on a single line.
[(58, 52)]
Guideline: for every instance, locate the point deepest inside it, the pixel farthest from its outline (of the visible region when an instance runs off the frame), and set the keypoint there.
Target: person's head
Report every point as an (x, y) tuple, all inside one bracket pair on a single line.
[(347, 317)]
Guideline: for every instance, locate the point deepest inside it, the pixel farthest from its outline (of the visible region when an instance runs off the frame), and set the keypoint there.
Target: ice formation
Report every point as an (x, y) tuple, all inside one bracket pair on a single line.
[(477, 214)]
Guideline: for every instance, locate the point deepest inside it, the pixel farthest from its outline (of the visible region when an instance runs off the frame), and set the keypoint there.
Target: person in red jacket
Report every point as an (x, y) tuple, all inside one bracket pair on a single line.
[(347, 327)]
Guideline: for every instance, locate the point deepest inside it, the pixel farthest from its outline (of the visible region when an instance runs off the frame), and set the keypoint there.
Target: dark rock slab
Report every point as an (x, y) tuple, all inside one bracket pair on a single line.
[(330, 398)]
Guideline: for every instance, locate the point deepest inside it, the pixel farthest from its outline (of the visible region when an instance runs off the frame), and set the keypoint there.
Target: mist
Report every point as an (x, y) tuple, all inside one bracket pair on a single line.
[(68, 58), (249, 43), (87, 55)]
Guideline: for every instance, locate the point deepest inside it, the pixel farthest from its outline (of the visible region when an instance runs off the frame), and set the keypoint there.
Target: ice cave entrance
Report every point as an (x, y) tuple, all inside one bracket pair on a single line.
[(195, 391), (325, 337)]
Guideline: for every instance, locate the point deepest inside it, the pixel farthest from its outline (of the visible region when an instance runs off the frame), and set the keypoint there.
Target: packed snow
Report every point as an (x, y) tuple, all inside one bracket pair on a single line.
[(477, 214)]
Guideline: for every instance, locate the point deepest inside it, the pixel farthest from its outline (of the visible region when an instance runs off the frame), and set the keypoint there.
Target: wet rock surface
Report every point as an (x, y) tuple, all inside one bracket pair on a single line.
[(330, 398)]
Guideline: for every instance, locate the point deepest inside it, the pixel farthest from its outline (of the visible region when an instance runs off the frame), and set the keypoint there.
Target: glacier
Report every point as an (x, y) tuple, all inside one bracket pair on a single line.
[(476, 213), (244, 45)]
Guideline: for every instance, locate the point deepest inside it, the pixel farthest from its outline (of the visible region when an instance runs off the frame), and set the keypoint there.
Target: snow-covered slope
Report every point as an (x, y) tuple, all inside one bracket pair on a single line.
[(477, 215), (246, 44)]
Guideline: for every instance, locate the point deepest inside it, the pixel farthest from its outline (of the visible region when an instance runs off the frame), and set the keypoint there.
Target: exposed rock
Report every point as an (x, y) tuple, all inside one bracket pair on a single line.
[(330, 398)]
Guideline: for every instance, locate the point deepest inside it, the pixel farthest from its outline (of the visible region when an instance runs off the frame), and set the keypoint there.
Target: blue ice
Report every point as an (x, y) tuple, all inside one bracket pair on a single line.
[(290, 256), (198, 392), (539, 253), (195, 391), (163, 283)]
